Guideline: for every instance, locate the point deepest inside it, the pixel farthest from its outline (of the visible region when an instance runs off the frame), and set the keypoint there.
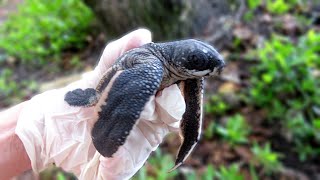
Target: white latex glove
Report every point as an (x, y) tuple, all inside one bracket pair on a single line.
[(54, 132)]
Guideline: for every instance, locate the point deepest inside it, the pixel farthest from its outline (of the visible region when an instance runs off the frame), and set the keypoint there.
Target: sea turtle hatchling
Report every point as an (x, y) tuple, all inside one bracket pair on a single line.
[(137, 75)]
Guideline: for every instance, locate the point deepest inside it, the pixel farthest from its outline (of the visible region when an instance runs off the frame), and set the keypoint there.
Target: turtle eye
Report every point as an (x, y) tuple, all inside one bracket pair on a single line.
[(197, 61)]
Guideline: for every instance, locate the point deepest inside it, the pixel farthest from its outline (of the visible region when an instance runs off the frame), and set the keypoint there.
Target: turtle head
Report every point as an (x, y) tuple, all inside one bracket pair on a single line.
[(196, 59)]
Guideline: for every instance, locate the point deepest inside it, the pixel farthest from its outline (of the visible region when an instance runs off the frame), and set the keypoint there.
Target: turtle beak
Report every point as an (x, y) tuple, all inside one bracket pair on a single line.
[(218, 67), (221, 64)]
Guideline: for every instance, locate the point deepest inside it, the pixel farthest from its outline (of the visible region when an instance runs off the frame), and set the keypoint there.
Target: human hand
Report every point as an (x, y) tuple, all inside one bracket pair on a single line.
[(54, 132)]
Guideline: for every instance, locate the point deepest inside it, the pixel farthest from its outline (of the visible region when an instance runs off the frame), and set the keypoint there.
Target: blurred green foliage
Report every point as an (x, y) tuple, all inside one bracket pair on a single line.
[(229, 173), (56, 173), (253, 4), (235, 131), (285, 84), (7, 85), (253, 173), (279, 6), (160, 164), (216, 105), (10, 89), (274, 6), (265, 157), (42, 29), (210, 173), (210, 130)]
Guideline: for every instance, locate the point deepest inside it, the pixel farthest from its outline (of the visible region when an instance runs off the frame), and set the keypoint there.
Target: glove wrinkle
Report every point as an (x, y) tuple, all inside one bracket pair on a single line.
[(61, 134)]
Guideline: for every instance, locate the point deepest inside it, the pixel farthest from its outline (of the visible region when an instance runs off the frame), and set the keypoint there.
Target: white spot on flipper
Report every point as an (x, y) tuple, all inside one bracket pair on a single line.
[(204, 50)]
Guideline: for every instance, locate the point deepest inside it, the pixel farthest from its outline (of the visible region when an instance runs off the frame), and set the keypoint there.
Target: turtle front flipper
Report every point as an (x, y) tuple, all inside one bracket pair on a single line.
[(79, 97), (190, 127), (120, 109)]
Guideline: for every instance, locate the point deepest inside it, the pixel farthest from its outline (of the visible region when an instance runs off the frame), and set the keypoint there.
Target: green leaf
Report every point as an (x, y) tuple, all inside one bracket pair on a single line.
[(267, 78), (316, 124), (253, 4), (235, 131), (266, 158), (210, 173)]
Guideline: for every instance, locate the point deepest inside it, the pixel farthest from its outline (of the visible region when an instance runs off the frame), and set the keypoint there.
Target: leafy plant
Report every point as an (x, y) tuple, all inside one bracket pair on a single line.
[(274, 6), (277, 6), (253, 4), (160, 164), (7, 85), (285, 84), (57, 173), (216, 105), (300, 131), (235, 131), (229, 173), (210, 173), (222, 173), (190, 175), (306, 150), (11, 90), (210, 130), (141, 174), (266, 158), (45, 28), (253, 173)]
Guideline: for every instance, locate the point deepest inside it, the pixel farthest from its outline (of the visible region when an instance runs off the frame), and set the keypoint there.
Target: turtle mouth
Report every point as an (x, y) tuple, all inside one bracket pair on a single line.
[(220, 68), (216, 71)]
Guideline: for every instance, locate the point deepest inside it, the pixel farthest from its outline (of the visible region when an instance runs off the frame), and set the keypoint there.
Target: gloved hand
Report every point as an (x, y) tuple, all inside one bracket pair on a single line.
[(54, 132)]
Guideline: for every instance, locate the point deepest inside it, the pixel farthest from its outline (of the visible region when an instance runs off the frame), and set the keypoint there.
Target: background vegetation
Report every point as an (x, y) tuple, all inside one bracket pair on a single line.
[(262, 116)]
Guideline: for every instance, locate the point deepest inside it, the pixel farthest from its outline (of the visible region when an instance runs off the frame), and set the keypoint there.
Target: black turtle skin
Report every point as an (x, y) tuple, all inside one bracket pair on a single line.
[(136, 76)]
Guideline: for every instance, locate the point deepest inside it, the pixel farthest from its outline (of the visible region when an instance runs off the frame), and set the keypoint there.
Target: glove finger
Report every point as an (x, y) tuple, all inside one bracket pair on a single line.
[(145, 137), (130, 157), (116, 48), (170, 106), (111, 52)]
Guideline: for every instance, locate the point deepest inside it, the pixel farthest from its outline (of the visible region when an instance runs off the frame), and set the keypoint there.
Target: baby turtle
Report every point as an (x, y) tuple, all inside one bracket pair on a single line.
[(136, 76)]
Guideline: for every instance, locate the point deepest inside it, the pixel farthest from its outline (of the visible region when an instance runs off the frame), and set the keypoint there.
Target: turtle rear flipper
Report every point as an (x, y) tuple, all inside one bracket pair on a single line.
[(89, 97), (119, 111), (79, 97), (190, 127)]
